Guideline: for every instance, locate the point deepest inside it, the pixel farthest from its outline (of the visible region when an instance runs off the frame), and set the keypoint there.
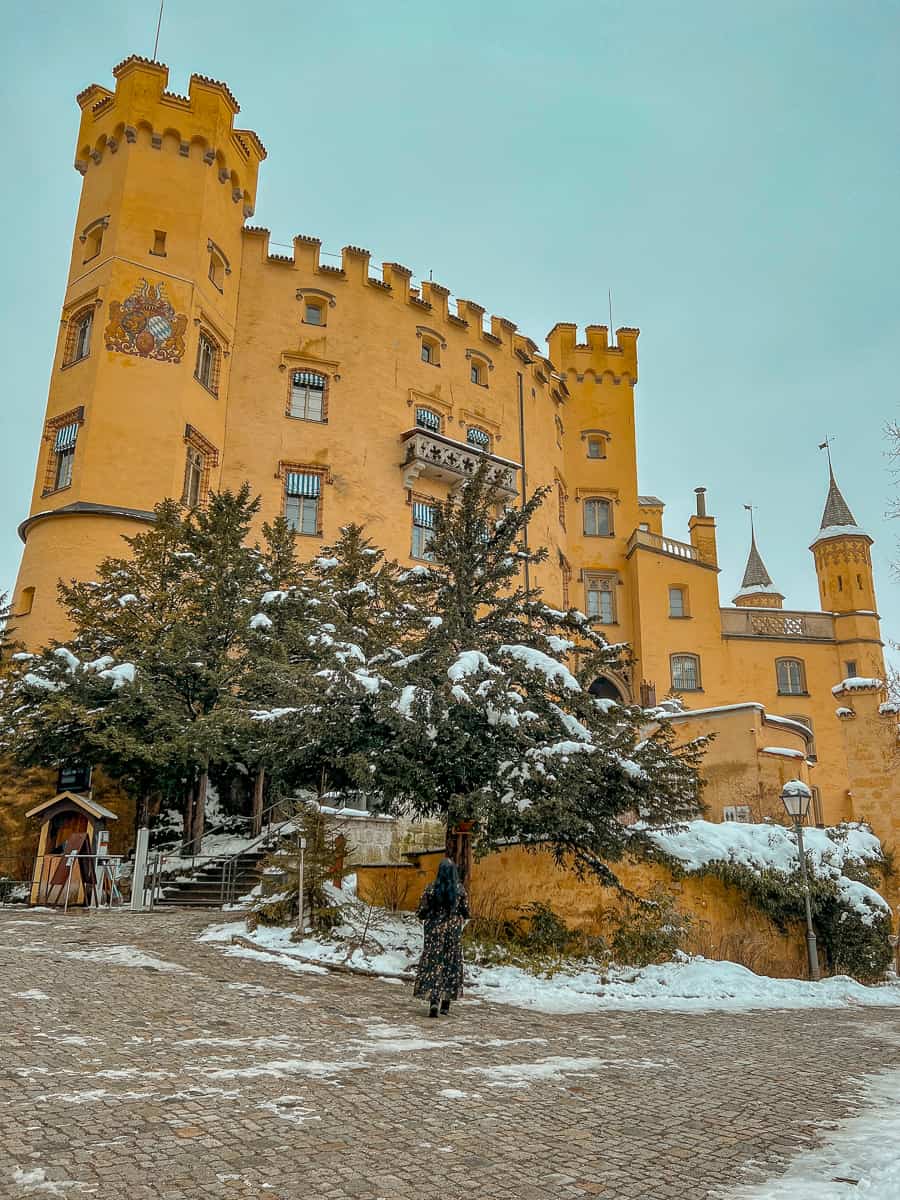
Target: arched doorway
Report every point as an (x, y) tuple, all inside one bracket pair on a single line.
[(605, 689)]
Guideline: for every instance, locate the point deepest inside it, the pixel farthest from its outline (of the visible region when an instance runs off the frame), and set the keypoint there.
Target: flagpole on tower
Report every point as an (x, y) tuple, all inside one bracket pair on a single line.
[(826, 446), (158, 27)]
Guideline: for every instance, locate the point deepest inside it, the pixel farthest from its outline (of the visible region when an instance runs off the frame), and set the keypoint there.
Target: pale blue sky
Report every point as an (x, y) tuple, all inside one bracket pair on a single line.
[(730, 171)]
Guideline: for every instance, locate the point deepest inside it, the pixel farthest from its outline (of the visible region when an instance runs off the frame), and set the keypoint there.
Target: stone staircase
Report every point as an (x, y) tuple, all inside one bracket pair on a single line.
[(203, 887)]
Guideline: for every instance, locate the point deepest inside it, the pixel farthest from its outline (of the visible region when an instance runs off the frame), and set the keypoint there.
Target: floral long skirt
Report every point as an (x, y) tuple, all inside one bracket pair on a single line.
[(440, 974)]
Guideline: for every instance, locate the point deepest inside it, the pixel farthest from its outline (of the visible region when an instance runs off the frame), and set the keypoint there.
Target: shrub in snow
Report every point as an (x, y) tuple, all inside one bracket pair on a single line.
[(845, 864)]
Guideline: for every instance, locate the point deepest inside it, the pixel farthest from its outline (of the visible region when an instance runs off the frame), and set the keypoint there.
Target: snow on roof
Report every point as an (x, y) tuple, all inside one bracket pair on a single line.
[(759, 589), (782, 751), (833, 531), (651, 502)]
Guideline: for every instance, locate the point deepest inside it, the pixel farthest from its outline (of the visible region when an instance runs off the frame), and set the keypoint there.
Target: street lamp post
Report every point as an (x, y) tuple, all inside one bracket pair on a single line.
[(796, 797)]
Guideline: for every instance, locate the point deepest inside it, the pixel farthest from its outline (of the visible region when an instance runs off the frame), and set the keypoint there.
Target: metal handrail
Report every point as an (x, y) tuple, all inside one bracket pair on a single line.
[(178, 852)]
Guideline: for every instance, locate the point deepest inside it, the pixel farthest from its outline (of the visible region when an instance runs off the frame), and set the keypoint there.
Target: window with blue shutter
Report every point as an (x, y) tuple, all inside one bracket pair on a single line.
[(424, 521), (302, 494), (426, 418), (307, 400), (64, 450)]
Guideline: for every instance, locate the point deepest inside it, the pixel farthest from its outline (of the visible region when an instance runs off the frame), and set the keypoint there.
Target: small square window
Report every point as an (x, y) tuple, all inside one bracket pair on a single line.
[(159, 243), (596, 447), (737, 812), (314, 314), (429, 352), (476, 373), (850, 671)]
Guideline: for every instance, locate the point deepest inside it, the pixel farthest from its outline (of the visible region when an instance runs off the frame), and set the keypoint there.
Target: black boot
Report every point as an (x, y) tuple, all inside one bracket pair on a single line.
[(445, 1006), (433, 1011)]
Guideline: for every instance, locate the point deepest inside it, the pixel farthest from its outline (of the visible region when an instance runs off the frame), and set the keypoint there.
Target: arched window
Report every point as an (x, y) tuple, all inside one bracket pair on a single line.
[(685, 672), (479, 438), (78, 336), (427, 418), (598, 517), (207, 370), (791, 676), (307, 398)]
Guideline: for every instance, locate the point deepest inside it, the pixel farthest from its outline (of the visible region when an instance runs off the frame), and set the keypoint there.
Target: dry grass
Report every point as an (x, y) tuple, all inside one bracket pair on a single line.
[(392, 889)]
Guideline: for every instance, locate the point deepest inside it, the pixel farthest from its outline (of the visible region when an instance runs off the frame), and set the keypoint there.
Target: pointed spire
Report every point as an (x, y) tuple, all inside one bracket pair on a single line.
[(837, 519), (757, 580), (837, 510), (755, 573)]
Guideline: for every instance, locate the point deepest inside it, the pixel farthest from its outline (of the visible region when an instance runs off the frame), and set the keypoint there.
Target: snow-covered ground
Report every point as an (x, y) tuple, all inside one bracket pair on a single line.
[(860, 1157), (393, 944)]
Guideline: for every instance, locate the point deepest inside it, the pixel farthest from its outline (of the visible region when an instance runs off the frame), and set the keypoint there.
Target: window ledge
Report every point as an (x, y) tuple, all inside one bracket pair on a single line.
[(686, 689), (73, 362), (308, 420), (600, 535), (314, 324), (781, 693), (680, 617), (53, 491), (158, 253), (206, 387)]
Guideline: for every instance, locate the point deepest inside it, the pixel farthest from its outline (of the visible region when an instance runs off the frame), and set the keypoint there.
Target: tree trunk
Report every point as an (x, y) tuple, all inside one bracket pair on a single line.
[(200, 812), (258, 786), (459, 848)]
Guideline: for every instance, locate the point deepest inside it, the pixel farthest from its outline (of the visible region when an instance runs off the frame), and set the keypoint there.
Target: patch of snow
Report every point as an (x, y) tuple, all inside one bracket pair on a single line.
[(260, 621), (535, 660), (128, 598), (856, 683), (119, 675), (326, 564), (37, 1182), (274, 597), (696, 844), (783, 751), (72, 663), (124, 956), (859, 1156), (41, 681), (844, 713), (470, 662), (31, 994), (889, 707), (831, 531)]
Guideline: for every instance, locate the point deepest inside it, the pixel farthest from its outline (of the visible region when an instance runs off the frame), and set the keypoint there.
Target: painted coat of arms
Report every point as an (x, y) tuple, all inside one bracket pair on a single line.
[(145, 323)]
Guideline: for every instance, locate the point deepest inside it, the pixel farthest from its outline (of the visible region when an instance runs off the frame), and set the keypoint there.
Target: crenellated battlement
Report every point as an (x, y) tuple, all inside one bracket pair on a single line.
[(142, 110), (595, 356), (395, 280)]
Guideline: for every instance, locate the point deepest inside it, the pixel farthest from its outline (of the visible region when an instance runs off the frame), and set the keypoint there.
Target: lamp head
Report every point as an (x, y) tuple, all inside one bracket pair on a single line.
[(796, 797)]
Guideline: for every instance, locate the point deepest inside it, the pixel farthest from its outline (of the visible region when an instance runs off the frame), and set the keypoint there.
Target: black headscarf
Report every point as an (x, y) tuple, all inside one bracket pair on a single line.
[(446, 886)]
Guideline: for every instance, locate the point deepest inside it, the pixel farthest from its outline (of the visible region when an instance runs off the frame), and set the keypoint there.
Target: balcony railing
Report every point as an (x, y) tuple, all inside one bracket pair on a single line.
[(777, 623), (437, 457), (663, 545)]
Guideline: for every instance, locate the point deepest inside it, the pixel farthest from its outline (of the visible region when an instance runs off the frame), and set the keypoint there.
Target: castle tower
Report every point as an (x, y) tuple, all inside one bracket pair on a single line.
[(757, 589), (137, 399), (846, 585)]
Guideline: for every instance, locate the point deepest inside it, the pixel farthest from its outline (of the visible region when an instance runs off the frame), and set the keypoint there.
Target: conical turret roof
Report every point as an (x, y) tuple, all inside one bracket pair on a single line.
[(837, 519), (756, 579)]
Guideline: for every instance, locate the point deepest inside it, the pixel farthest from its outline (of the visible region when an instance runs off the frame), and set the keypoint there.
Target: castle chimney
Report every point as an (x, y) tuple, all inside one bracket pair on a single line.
[(701, 501), (703, 531)]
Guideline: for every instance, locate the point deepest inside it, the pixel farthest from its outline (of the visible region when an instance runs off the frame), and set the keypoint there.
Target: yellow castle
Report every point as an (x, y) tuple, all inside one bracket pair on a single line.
[(191, 358)]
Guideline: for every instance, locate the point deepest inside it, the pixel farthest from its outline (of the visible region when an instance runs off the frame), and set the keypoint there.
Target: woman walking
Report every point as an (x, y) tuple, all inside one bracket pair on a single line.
[(444, 910)]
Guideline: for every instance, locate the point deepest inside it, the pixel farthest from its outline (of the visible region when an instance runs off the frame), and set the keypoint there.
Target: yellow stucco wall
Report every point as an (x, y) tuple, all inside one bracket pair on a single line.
[(723, 924), (153, 162)]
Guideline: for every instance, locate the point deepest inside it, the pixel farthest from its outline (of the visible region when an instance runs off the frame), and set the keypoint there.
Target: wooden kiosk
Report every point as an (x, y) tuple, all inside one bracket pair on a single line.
[(74, 832)]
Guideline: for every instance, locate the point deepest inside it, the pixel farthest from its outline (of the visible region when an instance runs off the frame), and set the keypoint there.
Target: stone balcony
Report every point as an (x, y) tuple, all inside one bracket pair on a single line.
[(433, 456), (777, 624), (661, 544)]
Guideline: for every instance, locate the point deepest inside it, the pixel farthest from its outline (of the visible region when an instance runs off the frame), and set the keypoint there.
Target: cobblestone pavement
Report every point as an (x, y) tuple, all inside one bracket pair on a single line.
[(135, 1062)]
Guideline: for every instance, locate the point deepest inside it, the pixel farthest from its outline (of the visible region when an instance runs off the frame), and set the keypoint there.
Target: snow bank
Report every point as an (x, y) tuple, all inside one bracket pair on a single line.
[(684, 985), (697, 844)]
